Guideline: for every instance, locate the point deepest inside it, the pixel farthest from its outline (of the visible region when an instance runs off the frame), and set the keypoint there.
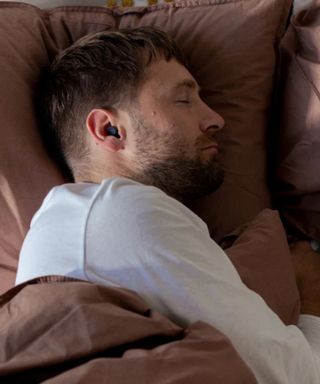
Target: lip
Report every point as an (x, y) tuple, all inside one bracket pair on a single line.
[(215, 146)]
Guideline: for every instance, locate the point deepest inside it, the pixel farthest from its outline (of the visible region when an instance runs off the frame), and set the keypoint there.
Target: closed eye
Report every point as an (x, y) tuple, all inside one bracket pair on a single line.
[(183, 101)]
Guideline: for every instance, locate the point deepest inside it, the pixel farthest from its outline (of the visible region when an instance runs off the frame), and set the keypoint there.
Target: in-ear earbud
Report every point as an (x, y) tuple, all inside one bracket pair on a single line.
[(113, 131)]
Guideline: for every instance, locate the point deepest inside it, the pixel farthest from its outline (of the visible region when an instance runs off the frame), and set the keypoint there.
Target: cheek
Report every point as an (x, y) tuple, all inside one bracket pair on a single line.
[(184, 131), (174, 127)]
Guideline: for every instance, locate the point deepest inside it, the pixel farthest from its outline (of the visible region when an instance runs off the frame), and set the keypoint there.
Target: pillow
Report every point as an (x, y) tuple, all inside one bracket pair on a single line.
[(230, 47), (109, 3), (261, 255), (297, 189), (307, 265), (57, 3), (298, 5)]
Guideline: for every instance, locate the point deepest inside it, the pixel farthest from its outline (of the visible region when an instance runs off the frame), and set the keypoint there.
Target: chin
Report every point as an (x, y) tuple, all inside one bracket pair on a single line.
[(198, 191)]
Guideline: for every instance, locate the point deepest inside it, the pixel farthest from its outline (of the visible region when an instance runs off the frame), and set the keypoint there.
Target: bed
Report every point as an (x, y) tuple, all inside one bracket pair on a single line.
[(257, 62)]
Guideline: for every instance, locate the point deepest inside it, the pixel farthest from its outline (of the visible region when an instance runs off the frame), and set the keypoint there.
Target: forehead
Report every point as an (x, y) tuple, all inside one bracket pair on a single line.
[(164, 77)]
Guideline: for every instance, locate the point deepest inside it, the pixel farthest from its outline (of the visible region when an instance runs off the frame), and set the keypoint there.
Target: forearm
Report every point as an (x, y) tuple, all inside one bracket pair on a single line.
[(203, 284), (200, 283), (276, 353)]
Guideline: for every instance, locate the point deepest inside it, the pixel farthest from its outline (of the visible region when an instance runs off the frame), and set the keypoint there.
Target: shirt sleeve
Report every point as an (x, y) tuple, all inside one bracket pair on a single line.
[(310, 326), (172, 262)]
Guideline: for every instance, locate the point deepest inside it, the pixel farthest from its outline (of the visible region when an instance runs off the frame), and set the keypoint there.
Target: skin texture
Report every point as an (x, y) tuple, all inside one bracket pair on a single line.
[(167, 136)]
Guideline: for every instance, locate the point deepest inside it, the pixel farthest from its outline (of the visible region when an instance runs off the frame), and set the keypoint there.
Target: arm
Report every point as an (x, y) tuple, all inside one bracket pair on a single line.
[(199, 282), (166, 255)]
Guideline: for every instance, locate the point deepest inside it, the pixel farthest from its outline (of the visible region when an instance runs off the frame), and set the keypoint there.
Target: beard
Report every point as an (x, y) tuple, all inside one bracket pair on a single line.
[(163, 161), (185, 179)]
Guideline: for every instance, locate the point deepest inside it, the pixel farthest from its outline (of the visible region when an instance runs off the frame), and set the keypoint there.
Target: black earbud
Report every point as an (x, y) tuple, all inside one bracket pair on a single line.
[(113, 131)]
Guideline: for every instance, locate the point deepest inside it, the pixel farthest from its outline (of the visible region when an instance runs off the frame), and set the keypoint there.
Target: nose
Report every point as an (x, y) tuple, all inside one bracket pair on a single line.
[(212, 120)]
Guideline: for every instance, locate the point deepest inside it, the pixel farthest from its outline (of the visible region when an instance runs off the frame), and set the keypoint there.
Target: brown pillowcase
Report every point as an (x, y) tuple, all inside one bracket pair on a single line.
[(230, 47), (298, 158), (263, 259), (26, 171)]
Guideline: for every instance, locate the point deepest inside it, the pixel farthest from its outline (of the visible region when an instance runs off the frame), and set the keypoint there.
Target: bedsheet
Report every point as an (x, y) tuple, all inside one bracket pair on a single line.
[(58, 330)]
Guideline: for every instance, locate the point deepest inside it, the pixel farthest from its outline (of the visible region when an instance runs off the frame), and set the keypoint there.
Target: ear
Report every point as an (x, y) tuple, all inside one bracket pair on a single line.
[(97, 123)]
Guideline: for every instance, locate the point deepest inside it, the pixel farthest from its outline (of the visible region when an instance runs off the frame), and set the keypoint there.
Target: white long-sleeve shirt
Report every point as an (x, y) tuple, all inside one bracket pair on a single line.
[(126, 234)]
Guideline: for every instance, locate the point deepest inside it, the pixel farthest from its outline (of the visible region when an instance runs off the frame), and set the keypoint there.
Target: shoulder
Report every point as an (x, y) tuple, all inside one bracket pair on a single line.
[(66, 200), (132, 200)]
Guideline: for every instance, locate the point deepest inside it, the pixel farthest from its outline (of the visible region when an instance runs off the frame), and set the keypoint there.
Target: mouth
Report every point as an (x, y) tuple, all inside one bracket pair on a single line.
[(211, 146)]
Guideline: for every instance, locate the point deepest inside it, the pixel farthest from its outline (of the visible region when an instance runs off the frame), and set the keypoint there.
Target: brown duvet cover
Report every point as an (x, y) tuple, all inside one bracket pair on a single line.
[(57, 331)]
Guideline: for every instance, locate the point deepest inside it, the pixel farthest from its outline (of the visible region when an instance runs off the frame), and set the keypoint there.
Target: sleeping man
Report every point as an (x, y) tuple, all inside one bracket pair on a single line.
[(126, 115)]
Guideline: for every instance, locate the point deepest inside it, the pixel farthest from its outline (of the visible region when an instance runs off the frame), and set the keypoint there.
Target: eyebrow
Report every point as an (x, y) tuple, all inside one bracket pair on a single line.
[(187, 84)]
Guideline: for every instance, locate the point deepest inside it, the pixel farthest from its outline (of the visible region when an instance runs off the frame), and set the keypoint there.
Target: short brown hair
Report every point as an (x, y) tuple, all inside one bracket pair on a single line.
[(103, 70)]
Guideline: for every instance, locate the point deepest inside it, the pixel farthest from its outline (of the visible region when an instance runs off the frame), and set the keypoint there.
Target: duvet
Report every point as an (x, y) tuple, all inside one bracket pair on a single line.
[(59, 330)]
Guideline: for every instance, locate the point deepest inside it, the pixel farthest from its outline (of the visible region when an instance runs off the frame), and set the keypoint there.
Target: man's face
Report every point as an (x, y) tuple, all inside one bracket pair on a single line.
[(174, 134)]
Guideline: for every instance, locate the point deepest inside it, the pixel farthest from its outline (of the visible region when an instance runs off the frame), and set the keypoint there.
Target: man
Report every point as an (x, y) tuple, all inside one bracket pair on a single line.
[(127, 116)]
